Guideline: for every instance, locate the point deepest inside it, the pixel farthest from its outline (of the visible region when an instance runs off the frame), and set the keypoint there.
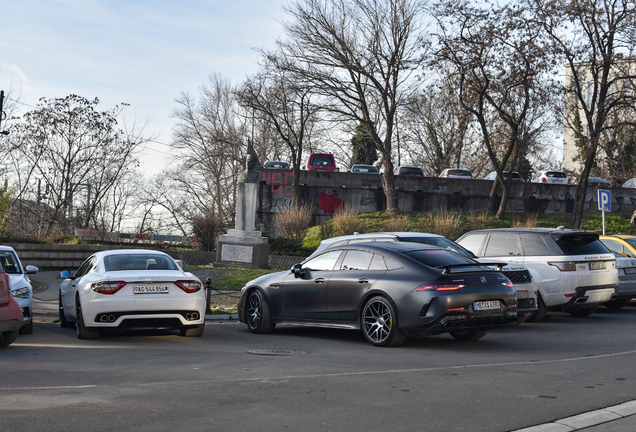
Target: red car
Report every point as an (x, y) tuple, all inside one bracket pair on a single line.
[(321, 162), (10, 312)]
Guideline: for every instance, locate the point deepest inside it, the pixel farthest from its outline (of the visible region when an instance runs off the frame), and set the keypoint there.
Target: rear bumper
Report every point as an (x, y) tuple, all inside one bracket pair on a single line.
[(454, 322), (586, 297)]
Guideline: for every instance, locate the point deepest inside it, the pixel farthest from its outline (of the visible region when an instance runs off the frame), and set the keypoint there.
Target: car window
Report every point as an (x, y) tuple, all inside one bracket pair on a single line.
[(439, 257), (392, 264), (631, 241), (10, 262), (580, 244), (85, 267), (324, 262), (442, 242), (408, 170), (503, 244), (322, 160), (377, 263), (338, 243), (126, 262), (472, 242), (356, 260), (615, 246), (457, 172), (555, 174), (535, 245)]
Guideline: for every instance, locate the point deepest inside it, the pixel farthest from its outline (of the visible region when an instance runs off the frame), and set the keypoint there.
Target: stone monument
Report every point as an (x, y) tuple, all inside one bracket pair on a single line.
[(244, 246)]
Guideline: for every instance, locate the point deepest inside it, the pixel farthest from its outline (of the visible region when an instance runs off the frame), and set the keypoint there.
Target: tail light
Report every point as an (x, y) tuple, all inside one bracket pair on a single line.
[(439, 287), (543, 179), (108, 287), (189, 286), (508, 283), (447, 174), (564, 266), (569, 181)]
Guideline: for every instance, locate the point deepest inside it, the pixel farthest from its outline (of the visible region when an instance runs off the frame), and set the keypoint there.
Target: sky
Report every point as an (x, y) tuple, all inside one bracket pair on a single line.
[(140, 52)]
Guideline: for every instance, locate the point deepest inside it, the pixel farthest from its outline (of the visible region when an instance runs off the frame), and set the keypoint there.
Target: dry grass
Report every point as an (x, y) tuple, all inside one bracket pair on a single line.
[(477, 221), (530, 220), (448, 224), (396, 224), (346, 222), (294, 222)]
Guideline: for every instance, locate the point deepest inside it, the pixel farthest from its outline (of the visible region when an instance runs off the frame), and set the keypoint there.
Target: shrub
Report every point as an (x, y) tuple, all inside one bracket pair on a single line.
[(477, 221), (448, 224), (526, 221), (346, 222), (396, 224), (294, 222), (207, 228)]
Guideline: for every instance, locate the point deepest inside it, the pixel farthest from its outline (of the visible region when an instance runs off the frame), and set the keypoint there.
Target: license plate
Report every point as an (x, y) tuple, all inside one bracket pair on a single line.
[(486, 305), (597, 265), (523, 294), (631, 270), (150, 289)]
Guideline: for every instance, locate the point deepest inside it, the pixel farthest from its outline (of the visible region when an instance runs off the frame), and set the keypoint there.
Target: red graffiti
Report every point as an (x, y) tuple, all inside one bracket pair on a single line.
[(329, 203)]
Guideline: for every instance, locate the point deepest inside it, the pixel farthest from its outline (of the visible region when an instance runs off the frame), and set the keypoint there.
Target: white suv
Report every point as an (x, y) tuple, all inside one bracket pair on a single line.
[(574, 271)]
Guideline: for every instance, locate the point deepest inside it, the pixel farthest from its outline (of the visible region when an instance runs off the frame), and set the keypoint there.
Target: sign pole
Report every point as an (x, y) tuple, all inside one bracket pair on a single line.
[(603, 221)]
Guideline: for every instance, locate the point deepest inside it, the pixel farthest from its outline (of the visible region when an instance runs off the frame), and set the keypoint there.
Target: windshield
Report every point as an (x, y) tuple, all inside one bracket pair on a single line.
[(442, 242), (10, 262), (126, 262), (631, 241), (581, 244)]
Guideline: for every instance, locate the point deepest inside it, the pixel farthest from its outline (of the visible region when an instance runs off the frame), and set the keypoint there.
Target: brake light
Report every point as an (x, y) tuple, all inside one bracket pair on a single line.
[(439, 287), (569, 295), (543, 179), (508, 284), (108, 287), (189, 286), (564, 266)]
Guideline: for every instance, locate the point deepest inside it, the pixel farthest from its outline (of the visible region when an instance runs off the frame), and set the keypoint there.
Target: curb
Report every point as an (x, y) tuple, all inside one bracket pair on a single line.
[(585, 420), (229, 317)]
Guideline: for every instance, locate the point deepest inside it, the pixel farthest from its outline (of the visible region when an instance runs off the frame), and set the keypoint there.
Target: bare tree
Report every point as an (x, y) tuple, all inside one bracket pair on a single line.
[(360, 55)]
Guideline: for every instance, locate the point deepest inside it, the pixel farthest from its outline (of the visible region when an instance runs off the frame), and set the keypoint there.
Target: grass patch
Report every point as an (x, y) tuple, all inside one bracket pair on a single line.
[(235, 278)]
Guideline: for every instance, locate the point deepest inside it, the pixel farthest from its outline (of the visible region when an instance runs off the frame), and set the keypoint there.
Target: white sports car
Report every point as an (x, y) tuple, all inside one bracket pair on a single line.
[(131, 289)]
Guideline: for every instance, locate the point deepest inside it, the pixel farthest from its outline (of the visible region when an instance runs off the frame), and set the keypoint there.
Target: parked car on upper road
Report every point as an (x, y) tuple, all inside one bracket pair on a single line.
[(598, 182), (20, 285), (525, 288), (456, 173), (551, 177), (631, 183), (321, 162), (387, 290), (10, 313), (276, 165), (574, 271), (409, 171), (364, 169), (516, 177), (126, 289)]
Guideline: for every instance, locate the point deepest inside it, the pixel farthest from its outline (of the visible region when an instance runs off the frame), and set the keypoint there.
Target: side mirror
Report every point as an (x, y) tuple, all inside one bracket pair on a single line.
[(296, 269), (65, 274), (31, 269)]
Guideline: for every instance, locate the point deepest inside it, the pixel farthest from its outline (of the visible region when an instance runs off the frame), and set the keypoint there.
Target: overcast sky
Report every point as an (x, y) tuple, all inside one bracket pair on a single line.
[(142, 52)]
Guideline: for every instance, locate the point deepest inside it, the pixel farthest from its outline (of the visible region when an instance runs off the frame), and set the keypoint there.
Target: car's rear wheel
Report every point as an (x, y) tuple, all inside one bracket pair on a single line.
[(468, 335), (27, 328), (63, 321), (380, 324), (257, 313), (193, 331), (541, 311), (82, 331), (615, 304), (7, 338), (579, 313)]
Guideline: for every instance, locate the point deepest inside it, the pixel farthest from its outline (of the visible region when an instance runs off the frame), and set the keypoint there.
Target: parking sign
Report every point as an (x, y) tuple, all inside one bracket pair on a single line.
[(604, 200)]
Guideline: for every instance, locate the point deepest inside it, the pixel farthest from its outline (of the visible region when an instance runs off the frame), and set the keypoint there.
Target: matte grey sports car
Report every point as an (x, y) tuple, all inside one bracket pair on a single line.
[(388, 290)]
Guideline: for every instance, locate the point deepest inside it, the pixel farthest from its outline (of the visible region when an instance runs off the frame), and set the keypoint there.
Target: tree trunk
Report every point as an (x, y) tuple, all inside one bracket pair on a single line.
[(581, 189), (504, 197), (296, 187), (388, 183)]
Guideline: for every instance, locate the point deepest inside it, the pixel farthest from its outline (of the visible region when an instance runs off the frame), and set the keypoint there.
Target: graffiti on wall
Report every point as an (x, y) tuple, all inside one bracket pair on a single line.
[(329, 203)]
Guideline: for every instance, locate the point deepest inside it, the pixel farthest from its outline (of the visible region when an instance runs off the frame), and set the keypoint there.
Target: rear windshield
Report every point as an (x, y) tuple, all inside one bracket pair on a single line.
[(409, 170), (516, 175), (322, 160), (10, 262), (277, 165), (555, 174), (442, 242), (581, 244), (365, 169), (125, 262), (458, 172)]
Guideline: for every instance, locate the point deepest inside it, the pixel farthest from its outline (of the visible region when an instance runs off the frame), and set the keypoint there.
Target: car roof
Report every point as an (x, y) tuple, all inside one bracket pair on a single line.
[(531, 230), (394, 234), (130, 252), (7, 248), (620, 236), (393, 246)]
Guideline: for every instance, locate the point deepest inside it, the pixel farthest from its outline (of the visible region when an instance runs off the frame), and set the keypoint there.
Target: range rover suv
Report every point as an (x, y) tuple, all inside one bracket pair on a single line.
[(574, 271)]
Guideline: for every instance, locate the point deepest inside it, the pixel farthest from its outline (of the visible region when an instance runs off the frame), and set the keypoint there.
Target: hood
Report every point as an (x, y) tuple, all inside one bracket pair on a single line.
[(265, 280), (19, 281)]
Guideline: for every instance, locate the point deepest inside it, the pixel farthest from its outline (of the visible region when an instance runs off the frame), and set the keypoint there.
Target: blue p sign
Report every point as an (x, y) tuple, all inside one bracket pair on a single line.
[(604, 200)]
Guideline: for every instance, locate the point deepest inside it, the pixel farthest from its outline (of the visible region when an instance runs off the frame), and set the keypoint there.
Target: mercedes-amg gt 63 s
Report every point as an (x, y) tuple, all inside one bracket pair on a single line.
[(387, 290)]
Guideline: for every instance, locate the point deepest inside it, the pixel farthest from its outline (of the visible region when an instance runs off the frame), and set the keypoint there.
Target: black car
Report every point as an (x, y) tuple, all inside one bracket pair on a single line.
[(388, 290)]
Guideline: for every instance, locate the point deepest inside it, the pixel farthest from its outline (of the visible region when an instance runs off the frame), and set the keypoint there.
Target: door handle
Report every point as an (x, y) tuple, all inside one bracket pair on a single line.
[(363, 280), (319, 280)]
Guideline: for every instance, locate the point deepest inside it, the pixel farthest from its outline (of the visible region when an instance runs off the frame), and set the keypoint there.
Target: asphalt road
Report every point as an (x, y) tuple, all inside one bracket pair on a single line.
[(159, 381)]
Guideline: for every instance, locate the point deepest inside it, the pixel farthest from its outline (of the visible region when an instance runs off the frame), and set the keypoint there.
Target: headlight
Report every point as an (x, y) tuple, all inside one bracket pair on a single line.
[(21, 293)]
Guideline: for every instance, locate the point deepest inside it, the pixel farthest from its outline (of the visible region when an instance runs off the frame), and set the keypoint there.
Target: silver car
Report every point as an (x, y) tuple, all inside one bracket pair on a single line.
[(20, 285), (551, 177)]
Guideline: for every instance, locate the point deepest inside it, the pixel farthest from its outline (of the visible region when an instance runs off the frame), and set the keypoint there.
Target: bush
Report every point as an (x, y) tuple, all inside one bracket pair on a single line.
[(448, 224), (286, 246), (396, 224), (526, 221), (477, 221), (346, 222), (207, 228), (294, 222)]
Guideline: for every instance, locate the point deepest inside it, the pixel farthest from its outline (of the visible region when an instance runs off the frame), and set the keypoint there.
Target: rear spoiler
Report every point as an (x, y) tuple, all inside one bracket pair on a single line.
[(447, 268), (557, 235)]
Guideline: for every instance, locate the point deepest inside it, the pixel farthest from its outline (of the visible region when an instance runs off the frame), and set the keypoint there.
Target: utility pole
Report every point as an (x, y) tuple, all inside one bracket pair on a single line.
[(3, 115)]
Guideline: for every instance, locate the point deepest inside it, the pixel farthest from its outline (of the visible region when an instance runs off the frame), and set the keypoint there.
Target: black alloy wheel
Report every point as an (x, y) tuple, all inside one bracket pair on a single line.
[(8, 337), (379, 323), (257, 314)]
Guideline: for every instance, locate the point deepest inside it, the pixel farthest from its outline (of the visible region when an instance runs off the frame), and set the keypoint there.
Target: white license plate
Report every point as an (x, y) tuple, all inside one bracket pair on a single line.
[(486, 305), (523, 294), (597, 265), (631, 270), (150, 289)]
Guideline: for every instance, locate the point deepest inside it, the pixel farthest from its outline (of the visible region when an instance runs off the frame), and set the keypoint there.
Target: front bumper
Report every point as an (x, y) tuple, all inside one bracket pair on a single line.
[(26, 305)]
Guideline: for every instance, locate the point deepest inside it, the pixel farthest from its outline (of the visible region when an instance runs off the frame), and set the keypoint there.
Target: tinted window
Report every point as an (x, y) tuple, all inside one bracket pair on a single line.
[(472, 242), (555, 174), (10, 262), (392, 265), (631, 241), (322, 160), (534, 245), (410, 171), (356, 260), (85, 267), (439, 257), (503, 245), (128, 262), (377, 263), (457, 172), (579, 244), (442, 242), (324, 262), (364, 169)]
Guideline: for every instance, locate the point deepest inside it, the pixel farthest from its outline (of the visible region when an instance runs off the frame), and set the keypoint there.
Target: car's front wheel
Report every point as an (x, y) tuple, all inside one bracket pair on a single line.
[(380, 324), (579, 313), (7, 338), (257, 313), (193, 331), (82, 331), (468, 335)]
